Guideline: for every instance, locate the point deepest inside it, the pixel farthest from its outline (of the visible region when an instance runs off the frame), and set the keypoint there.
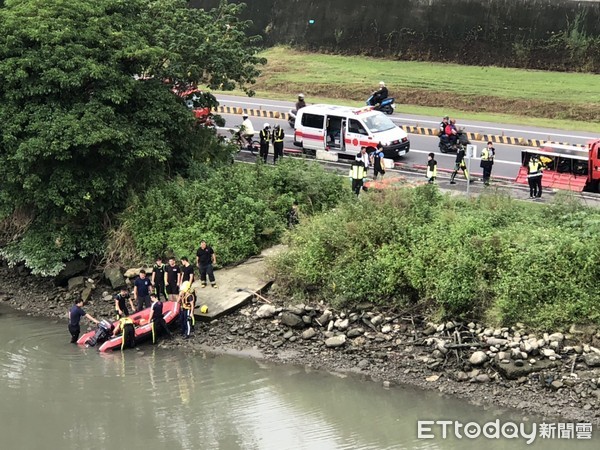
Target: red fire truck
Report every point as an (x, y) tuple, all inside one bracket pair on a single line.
[(568, 167)]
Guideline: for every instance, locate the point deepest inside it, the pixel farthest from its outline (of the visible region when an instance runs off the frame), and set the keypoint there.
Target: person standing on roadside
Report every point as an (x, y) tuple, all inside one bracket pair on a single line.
[(158, 278), (277, 138), (431, 168), (487, 161), (121, 303), (172, 279), (75, 315), (377, 162), (141, 291), (460, 164), (364, 157), (205, 258), (534, 177), (293, 216), (357, 174), (265, 137)]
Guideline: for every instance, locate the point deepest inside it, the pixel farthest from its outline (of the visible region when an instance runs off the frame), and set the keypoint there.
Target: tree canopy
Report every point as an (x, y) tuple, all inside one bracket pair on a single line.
[(88, 111)]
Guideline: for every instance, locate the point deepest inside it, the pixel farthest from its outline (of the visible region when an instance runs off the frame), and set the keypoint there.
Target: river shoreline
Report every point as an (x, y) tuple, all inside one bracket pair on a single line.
[(377, 345)]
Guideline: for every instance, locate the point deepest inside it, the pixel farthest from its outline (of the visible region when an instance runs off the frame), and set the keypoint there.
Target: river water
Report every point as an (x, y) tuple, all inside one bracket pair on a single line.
[(55, 395)]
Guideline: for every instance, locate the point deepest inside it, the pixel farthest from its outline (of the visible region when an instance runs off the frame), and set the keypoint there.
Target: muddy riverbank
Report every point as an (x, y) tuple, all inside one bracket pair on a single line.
[(553, 375)]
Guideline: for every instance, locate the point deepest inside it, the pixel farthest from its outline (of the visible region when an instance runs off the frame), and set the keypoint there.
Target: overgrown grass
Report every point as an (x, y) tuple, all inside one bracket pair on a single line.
[(491, 258), (238, 209), (515, 94)]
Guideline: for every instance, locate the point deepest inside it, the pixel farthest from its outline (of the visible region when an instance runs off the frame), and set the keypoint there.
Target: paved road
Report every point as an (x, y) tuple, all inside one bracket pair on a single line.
[(507, 156), (573, 137)]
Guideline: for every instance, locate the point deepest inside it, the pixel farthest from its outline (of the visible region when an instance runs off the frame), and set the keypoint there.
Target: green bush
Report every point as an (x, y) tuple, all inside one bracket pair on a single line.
[(238, 209), (490, 258)]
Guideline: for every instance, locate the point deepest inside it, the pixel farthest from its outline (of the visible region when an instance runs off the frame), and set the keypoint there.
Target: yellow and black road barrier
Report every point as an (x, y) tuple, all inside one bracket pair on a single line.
[(497, 139)]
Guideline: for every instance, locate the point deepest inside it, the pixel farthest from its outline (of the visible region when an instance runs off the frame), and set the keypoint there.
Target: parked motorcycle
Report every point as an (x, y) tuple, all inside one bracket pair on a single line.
[(446, 146), (387, 106)]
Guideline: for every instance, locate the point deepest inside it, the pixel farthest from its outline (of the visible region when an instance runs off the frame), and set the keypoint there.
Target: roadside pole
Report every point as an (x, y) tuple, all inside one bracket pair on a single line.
[(471, 153)]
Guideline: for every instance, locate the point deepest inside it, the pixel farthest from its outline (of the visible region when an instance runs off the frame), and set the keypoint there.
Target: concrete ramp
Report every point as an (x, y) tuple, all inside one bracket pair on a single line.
[(235, 286)]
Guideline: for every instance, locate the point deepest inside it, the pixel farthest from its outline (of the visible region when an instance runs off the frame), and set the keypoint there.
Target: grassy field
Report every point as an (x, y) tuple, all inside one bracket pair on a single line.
[(554, 99)]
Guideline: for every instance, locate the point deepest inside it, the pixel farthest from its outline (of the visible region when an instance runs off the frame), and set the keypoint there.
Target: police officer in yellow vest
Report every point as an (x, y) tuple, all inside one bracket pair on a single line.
[(265, 137), (278, 136), (534, 177), (127, 326), (487, 161), (357, 174)]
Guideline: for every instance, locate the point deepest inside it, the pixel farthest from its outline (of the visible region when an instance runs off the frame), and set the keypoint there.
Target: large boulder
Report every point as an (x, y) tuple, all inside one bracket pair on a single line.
[(292, 320), (478, 358), (512, 371), (335, 341), (75, 283), (266, 311), (71, 269), (592, 359), (114, 277)]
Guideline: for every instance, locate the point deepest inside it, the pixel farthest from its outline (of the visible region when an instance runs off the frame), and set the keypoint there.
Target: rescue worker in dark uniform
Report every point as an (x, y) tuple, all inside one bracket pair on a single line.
[(121, 303), (277, 138), (172, 280), (75, 315), (265, 137), (534, 177), (460, 164), (157, 319), (357, 174), (127, 326), (158, 278)]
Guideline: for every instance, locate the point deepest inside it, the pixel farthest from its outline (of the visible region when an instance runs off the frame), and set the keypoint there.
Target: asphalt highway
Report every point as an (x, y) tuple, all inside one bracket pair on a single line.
[(572, 137), (506, 165)]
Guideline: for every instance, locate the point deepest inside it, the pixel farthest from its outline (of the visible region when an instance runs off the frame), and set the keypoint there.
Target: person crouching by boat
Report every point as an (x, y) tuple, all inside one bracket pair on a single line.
[(186, 316), (75, 315), (121, 303), (126, 325), (157, 320)]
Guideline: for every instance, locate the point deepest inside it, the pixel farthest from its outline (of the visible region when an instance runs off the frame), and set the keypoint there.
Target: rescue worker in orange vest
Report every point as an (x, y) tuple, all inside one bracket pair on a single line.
[(534, 177), (127, 326), (431, 168), (277, 138), (357, 174), (265, 137)]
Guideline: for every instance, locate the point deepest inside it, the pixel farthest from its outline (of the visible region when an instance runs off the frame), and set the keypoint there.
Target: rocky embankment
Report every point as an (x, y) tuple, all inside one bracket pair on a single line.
[(551, 375)]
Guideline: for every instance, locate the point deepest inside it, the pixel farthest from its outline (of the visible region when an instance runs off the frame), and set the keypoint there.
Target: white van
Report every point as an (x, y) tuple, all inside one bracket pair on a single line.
[(345, 129)]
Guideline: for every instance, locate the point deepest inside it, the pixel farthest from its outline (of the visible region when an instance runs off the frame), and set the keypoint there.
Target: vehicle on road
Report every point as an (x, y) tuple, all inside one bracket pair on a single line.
[(446, 146), (345, 130), (387, 105), (568, 167)]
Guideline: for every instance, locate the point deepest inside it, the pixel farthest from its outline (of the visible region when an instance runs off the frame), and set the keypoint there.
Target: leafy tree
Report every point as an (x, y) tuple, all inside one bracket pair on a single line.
[(88, 110)]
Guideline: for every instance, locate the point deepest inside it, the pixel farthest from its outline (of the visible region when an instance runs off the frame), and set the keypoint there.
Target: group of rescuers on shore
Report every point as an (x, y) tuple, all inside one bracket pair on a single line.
[(171, 281)]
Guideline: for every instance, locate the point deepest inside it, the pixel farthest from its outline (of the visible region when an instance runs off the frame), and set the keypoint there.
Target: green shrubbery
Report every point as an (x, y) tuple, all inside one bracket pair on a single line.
[(490, 258), (238, 209)]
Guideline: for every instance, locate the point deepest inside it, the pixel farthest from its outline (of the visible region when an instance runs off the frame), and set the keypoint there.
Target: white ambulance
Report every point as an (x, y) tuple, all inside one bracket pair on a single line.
[(345, 129)]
